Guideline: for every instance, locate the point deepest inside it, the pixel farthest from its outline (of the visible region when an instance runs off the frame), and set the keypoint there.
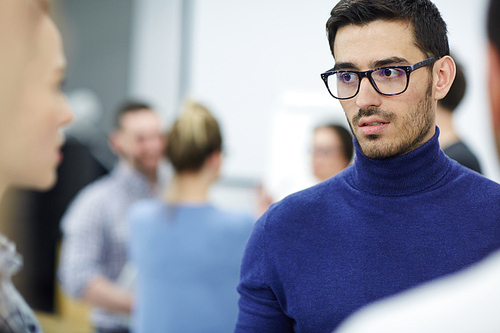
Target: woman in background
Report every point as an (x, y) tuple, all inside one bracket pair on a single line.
[(188, 252), (332, 150), (32, 111)]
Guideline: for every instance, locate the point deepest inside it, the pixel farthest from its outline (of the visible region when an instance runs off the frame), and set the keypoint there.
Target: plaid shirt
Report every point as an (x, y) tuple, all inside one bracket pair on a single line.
[(15, 314), (95, 234)]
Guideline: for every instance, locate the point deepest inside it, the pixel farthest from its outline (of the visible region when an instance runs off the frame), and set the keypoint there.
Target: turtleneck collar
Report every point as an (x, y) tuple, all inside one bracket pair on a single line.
[(402, 175)]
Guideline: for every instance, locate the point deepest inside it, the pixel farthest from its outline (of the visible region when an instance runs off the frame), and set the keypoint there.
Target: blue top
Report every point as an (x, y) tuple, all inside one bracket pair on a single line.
[(377, 228), (188, 258)]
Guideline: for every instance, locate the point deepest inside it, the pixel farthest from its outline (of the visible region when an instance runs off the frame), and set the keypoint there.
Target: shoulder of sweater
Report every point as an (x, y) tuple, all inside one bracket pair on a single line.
[(470, 178), (302, 203), (315, 193)]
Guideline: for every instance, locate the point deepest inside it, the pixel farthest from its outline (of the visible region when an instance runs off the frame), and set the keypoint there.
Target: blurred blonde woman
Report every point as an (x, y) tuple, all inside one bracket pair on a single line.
[(187, 251), (32, 111)]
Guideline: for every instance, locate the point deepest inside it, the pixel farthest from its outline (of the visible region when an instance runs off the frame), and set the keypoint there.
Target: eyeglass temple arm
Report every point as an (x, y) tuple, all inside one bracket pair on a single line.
[(423, 63)]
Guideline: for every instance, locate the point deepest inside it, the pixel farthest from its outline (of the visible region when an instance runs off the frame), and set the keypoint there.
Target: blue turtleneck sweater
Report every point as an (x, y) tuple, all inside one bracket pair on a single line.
[(377, 228)]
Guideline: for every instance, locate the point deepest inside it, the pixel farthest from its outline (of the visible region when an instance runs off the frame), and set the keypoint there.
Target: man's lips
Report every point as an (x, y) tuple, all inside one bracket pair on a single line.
[(372, 125)]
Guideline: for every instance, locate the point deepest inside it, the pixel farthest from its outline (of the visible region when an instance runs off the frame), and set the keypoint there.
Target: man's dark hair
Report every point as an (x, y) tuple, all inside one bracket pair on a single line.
[(345, 139), (127, 107), (456, 93), (493, 25), (429, 29)]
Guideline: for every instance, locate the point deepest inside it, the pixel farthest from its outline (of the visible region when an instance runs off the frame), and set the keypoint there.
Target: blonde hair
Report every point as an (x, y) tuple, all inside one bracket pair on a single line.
[(193, 138)]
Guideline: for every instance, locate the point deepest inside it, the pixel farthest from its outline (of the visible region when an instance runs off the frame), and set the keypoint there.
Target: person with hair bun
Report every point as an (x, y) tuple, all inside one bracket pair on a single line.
[(188, 252)]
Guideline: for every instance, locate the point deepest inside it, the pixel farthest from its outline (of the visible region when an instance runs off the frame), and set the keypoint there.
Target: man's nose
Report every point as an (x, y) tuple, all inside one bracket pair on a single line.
[(367, 95), (153, 144)]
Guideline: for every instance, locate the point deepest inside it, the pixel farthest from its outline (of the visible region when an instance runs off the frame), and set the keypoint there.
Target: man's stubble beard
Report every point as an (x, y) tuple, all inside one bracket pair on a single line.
[(412, 133)]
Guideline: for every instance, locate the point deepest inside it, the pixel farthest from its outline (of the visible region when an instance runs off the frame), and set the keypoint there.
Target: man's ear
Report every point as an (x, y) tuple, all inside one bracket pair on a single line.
[(164, 142), (444, 75), (114, 142)]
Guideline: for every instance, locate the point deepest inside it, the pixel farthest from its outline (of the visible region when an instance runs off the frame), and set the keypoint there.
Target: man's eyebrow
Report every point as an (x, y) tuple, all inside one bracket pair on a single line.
[(343, 65), (376, 64), (390, 61)]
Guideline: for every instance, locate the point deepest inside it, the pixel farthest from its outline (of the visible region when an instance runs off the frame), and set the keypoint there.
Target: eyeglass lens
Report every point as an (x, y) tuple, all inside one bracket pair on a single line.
[(345, 84)]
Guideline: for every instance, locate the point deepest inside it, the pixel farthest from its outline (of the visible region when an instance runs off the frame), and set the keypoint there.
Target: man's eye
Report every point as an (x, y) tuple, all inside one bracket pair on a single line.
[(346, 77), (391, 72)]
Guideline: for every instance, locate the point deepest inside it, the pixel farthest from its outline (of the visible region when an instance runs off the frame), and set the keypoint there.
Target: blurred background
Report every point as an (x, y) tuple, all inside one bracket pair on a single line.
[(256, 64)]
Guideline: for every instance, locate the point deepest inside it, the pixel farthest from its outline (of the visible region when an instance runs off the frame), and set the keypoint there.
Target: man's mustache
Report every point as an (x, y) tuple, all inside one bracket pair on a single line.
[(389, 116)]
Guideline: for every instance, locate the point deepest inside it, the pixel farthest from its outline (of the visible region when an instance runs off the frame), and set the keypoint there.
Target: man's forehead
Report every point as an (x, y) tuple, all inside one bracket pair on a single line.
[(140, 119), (368, 44)]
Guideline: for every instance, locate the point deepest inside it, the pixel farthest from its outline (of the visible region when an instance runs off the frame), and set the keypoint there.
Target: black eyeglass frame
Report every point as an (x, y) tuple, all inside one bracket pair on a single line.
[(368, 74)]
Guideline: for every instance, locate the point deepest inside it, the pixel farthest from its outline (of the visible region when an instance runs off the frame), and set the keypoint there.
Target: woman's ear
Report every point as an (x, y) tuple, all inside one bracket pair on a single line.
[(215, 159), (444, 75)]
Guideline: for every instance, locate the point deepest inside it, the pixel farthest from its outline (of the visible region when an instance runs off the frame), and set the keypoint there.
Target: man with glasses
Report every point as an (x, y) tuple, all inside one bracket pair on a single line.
[(467, 301), (402, 214)]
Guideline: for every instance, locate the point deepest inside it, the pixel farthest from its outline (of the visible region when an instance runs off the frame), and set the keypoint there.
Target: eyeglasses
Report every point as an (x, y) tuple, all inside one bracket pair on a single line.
[(388, 81)]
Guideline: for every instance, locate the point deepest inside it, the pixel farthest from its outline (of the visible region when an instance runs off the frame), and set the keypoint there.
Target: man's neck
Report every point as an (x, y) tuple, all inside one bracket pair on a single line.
[(152, 176), (416, 171)]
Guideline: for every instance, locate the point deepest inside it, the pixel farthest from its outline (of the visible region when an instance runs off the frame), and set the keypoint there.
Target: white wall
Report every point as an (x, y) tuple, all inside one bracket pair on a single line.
[(247, 55), (155, 56)]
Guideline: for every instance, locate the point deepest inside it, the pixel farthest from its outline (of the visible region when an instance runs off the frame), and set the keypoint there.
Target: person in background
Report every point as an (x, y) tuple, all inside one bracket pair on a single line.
[(95, 232), (449, 140), (467, 301), (188, 252), (402, 214), (33, 110), (332, 150)]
